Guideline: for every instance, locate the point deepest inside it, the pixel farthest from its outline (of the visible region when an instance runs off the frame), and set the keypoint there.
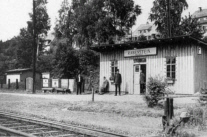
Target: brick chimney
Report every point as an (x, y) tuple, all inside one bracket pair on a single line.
[(200, 8)]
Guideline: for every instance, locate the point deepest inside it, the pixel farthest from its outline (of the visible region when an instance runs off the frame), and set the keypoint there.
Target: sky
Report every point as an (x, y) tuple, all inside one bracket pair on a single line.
[(14, 14)]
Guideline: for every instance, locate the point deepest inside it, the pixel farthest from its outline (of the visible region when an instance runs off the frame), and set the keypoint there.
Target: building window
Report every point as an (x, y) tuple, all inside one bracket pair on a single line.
[(171, 67), (114, 67)]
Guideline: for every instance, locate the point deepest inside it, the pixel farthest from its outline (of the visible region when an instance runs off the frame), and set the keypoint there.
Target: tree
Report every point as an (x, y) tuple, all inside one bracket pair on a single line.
[(190, 26), (66, 62), (205, 39), (142, 38), (99, 20), (159, 15), (25, 47), (42, 18)]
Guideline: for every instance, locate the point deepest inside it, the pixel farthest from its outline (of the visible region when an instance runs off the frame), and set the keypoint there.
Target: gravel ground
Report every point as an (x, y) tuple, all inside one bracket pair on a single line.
[(126, 114)]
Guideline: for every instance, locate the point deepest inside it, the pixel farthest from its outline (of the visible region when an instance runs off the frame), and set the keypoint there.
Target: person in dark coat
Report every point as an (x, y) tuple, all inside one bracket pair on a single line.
[(117, 81), (79, 81)]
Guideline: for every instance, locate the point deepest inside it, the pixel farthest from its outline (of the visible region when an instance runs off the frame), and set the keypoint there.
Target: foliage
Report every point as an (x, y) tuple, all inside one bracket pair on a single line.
[(88, 61), (89, 21), (156, 89), (42, 18), (205, 39), (190, 26), (8, 55), (66, 62), (159, 15), (142, 38), (25, 38), (25, 49), (45, 63)]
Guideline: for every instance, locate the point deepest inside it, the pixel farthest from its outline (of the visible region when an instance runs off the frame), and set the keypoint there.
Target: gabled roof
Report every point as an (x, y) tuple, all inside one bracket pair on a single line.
[(18, 70), (144, 27), (199, 14), (148, 43)]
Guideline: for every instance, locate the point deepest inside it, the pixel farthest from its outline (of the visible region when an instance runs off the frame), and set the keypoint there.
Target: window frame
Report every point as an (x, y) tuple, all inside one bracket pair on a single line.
[(171, 68), (114, 67)]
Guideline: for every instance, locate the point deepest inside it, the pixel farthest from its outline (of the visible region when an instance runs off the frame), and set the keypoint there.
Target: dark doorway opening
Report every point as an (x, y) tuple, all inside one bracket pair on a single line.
[(143, 85)]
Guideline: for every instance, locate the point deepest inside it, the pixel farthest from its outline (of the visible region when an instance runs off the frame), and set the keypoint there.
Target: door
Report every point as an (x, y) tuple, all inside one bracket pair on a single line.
[(136, 79)]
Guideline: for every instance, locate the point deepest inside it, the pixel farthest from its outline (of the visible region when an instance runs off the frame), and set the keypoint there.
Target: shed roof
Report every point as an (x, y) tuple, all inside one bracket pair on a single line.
[(148, 43), (18, 70)]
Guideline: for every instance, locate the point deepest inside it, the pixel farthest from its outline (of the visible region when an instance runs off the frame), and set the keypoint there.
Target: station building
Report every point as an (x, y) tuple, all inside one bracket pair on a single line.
[(181, 60), (20, 75)]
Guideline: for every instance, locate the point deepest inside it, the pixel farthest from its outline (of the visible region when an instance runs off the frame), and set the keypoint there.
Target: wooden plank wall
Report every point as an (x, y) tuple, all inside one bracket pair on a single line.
[(156, 66), (200, 69)]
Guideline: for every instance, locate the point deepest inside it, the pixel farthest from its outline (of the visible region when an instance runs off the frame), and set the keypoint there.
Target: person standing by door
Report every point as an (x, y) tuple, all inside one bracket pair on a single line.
[(142, 81), (79, 81), (117, 81)]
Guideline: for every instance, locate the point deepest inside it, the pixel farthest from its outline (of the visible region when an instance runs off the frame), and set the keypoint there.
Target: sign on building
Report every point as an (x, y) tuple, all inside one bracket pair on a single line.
[(45, 75), (71, 84), (65, 83), (45, 83), (140, 52), (55, 83)]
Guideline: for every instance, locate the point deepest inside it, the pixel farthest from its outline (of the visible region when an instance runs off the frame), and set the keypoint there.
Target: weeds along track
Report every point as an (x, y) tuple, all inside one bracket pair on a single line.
[(16, 125)]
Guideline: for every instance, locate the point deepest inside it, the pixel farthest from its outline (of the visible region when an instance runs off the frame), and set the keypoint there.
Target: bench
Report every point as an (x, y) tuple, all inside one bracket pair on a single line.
[(47, 89), (62, 90)]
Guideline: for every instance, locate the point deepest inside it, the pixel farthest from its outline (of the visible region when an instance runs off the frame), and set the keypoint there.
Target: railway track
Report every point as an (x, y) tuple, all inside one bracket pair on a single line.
[(17, 125)]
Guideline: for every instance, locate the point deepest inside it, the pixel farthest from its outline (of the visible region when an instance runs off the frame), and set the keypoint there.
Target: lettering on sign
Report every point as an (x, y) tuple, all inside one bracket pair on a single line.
[(140, 52)]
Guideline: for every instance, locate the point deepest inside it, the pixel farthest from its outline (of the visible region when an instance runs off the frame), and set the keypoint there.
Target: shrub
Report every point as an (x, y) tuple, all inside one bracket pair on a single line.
[(156, 90)]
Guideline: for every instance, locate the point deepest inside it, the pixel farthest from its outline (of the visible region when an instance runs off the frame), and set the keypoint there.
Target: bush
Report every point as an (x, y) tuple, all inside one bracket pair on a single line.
[(156, 90)]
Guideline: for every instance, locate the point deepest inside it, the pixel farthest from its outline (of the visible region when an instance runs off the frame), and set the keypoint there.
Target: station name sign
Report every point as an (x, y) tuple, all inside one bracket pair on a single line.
[(140, 52)]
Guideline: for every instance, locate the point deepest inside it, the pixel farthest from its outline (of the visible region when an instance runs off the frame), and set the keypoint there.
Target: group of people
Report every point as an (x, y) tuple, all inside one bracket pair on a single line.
[(105, 84)]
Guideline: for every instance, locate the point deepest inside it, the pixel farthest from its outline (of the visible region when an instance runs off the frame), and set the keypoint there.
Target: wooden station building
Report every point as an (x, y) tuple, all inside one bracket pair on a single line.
[(181, 60)]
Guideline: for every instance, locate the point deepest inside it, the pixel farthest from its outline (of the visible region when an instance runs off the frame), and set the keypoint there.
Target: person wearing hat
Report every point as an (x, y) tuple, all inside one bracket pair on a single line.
[(117, 81), (79, 81)]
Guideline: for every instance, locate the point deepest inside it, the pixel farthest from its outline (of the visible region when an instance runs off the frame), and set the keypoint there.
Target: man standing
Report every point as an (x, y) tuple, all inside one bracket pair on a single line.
[(79, 81), (142, 82), (117, 81)]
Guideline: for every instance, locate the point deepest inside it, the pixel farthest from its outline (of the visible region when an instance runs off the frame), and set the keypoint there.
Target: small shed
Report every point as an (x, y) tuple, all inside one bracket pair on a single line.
[(20, 75), (181, 60)]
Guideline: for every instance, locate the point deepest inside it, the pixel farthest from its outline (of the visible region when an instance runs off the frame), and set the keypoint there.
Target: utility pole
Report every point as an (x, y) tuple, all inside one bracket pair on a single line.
[(34, 47), (168, 19)]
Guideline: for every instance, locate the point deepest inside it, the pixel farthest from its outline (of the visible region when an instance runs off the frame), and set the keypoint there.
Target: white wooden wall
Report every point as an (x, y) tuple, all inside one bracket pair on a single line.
[(200, 69), (12, 78), (156, 66)]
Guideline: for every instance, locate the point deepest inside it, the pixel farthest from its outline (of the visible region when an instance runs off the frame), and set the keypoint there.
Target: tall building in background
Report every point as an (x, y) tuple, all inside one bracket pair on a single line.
[(201, 15)]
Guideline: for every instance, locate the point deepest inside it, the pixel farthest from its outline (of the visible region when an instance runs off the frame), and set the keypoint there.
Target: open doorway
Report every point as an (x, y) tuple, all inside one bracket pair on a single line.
[(143, 79), (139, 78)]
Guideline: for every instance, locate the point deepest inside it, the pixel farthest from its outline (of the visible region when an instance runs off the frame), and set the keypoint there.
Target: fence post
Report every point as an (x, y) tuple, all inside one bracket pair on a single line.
[(1, 84), (168, 110), (17, 84), (92, 94), (8, 83)]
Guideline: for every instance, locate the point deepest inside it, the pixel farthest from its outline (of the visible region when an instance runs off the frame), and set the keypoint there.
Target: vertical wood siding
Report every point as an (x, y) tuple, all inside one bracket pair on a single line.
[(156, 66), (200, 69)]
